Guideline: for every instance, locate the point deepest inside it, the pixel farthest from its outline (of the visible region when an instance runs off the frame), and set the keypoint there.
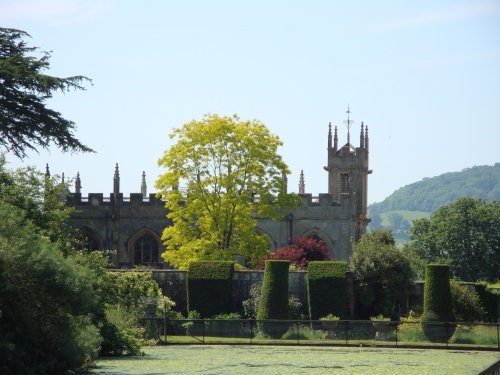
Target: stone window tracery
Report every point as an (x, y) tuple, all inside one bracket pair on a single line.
[(145, 250), (345, 182)]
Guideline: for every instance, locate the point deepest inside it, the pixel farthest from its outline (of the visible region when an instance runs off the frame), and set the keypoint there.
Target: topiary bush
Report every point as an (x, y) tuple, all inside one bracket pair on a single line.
[(274, 297), (209, 287), (326, 289), (437, 304)]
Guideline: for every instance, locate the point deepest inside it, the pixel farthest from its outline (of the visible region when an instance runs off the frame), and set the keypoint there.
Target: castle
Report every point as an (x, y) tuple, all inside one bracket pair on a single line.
[(132, 226)]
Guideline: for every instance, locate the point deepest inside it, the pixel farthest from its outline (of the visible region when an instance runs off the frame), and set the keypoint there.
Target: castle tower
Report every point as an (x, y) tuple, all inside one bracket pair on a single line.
[(348, 175)]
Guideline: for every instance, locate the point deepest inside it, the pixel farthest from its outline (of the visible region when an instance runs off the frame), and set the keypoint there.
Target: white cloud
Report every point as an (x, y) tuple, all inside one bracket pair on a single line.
[(458, 12)]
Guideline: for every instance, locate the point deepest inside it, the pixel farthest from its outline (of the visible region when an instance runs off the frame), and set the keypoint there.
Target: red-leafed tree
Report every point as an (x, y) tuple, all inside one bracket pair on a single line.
[(300, 252)]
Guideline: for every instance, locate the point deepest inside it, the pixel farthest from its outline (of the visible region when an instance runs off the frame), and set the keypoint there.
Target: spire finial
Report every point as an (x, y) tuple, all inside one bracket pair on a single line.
[(362, 136), (329, 135), (366, 137), (144, 188), (335, 139), (116, 182), (302, 185), (78, 184), (47, 171), (348, 124)]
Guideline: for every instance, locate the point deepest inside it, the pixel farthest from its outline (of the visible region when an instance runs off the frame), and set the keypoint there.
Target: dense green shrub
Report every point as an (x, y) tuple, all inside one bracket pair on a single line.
[(138, 292), (466, 304), (124, 299), (490, 299), (326, 289), (122, 333), (46, 303), (274, 294), (295, 308), (383, 276), (251, 305), (437, 303), (209, 287)]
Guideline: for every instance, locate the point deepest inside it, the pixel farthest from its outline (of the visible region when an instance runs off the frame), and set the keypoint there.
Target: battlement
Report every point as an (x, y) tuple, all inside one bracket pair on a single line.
[(323, 199), (137, 199), (98, 199)]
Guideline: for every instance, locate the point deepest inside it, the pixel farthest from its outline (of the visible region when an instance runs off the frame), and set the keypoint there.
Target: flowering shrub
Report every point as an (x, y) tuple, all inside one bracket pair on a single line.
[(300, 252), (410, 329)]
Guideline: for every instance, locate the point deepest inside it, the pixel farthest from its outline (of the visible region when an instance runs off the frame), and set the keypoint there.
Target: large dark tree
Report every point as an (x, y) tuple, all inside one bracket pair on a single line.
[(464, 234), (25, 121), (383, 277)]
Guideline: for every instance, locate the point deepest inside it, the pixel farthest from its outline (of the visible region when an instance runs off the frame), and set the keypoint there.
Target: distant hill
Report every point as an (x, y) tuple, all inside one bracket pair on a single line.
[(423, 197)]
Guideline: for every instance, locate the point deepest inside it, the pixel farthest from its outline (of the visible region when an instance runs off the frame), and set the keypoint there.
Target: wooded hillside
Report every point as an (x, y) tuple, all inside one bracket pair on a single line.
[(397, 210)]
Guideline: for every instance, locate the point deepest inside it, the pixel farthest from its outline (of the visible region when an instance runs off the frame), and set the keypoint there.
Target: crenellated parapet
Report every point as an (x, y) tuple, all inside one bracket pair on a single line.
[(98, 199)]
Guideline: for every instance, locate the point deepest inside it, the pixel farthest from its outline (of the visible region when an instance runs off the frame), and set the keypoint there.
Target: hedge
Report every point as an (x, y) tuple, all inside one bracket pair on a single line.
[(437, 303), (489, 300), (274, 295), (326, 289), (209, 287), (437, 291)]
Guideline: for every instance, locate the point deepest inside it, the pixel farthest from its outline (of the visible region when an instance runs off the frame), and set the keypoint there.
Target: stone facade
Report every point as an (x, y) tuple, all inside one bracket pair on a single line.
[(132, 226)]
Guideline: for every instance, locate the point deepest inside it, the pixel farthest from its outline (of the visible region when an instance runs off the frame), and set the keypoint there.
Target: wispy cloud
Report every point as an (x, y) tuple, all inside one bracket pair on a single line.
[(457, 12), (43, 10)]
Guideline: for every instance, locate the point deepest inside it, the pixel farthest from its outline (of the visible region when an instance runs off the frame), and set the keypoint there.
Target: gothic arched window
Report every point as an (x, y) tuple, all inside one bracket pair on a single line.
[(90, 243), (145, 250), (88, 239)]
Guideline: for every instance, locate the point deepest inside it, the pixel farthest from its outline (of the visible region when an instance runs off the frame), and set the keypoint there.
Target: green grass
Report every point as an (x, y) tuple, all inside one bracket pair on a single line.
[(408, 215), (227, 359)]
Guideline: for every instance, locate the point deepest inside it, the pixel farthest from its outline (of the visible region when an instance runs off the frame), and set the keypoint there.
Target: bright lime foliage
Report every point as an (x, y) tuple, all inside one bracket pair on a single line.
[(326, 289), (220, 175), (274, 295), (209, 286)]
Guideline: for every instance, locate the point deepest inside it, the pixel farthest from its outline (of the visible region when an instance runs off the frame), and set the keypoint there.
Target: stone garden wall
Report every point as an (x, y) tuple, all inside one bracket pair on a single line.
[(173, 285)]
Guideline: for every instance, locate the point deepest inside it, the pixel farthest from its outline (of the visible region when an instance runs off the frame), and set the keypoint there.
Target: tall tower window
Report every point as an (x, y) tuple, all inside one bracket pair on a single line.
[(345, 182), (145, 250)]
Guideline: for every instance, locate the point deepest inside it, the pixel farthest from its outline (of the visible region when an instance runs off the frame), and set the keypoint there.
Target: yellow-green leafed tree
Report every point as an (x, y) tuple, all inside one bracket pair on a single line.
[(221, 174)]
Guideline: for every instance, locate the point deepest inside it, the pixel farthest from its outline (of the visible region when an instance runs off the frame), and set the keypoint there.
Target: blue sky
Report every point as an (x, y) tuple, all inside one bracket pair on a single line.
[(424, 76)]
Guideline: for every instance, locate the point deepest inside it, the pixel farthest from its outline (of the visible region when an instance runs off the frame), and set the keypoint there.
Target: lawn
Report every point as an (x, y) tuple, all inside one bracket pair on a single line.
[(255, 359)]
